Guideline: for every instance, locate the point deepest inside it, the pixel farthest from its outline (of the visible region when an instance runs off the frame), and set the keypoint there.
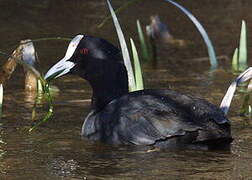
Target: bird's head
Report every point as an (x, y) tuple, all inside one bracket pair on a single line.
[(89, 57)]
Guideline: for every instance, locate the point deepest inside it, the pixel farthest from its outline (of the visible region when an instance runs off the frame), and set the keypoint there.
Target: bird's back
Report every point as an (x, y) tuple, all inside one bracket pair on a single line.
[(160, 118)]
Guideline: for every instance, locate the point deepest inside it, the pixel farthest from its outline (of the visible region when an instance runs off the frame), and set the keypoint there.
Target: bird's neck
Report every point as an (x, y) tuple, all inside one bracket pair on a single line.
[(111, 85)]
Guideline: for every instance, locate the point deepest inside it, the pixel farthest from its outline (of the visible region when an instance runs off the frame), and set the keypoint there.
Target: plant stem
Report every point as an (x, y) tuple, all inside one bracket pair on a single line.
[(47, 39), (124, 6)]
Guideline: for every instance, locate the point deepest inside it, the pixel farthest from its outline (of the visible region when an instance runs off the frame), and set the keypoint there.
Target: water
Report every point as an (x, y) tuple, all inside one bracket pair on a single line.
[(56, 151)]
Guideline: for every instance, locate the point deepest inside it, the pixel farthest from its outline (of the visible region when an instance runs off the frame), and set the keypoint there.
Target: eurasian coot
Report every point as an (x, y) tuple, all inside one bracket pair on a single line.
[(161, 118)]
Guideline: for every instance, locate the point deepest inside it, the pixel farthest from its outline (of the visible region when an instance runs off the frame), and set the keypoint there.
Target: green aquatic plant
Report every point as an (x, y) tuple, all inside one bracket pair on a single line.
[(124, 48), (226, 101), (235, 63), (135, 79), (137, 67), (46, 91), (144, 47), (49, 114), (28, 62), (239, 61), (243, 47), (44, 84), (210, 48)]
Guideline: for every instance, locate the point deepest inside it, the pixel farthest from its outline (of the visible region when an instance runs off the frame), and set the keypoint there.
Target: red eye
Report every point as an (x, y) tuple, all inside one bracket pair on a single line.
[(84, 51)]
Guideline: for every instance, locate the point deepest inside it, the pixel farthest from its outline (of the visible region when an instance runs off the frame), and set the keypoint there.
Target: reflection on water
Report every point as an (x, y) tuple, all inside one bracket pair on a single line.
[(56, 151)]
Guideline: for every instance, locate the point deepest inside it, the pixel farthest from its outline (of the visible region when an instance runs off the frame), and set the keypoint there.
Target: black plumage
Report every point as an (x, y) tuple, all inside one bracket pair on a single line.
[(162, 118)]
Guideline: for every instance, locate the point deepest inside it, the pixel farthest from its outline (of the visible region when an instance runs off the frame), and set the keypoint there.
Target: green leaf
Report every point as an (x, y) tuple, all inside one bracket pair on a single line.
[(49, 114), (124, 48), (137, 66), (235, 64), (143, 44), (210, 48), (243, 48)]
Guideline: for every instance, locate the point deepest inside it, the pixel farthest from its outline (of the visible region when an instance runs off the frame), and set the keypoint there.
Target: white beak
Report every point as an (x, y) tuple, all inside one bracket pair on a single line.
[(64, 66)]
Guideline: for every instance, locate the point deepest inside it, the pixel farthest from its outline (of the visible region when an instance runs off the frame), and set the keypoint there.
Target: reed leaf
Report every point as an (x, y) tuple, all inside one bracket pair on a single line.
[(243, 47), (235, 62), (226, 101), (137, 67), (210, 48), (124, 48), (143, 44)]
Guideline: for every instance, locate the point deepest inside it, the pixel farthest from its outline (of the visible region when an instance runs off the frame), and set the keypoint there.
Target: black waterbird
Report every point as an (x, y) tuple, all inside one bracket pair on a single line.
[(160, 118)]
